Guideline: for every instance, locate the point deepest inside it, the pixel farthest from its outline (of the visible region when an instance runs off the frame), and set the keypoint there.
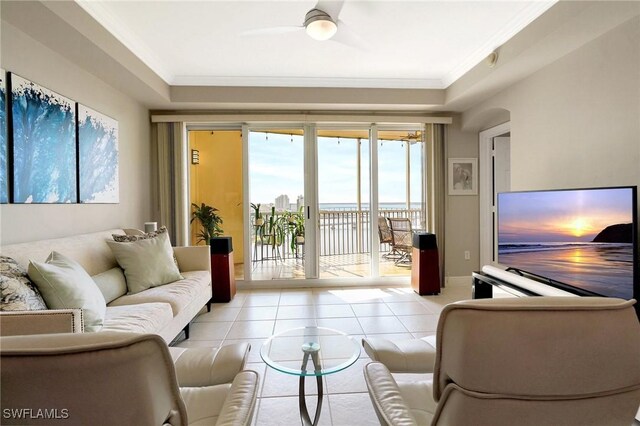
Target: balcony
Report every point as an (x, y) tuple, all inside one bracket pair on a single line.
[(344, 249)]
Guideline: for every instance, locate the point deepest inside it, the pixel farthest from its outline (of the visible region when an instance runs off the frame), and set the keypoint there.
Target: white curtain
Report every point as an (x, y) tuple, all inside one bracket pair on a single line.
[(170, 179), (437, 188)]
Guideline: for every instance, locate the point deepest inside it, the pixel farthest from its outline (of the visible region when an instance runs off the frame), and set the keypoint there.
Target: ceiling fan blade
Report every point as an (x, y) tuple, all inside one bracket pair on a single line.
[(332, 7), (271, 31), (346, 36)]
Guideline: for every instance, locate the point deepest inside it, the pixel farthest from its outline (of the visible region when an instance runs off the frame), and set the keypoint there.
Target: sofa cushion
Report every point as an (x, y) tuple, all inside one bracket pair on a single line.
[(138, 235), (64, 284), (147, 263), (17, 292), (145, 318), (178, 294), (111, 283)]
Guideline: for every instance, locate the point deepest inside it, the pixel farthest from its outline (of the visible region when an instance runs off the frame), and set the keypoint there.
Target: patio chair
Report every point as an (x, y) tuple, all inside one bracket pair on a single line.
[(386, 238), (401, 234)]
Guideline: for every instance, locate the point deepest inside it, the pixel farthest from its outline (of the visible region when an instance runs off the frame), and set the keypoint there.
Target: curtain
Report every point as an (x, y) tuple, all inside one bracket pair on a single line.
[(437, 188), (170, 179)]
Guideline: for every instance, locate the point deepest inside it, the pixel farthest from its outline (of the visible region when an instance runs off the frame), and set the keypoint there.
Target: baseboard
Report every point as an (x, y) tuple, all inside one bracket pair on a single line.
[(463, 281)]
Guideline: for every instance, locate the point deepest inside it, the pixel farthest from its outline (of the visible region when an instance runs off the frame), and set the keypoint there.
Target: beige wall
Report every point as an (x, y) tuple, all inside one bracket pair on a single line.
[(576, 122), (217, 181), (461, 211), (32, 60)]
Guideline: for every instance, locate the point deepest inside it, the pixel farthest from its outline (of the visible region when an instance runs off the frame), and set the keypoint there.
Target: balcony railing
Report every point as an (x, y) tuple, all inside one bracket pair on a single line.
[(341, 232)]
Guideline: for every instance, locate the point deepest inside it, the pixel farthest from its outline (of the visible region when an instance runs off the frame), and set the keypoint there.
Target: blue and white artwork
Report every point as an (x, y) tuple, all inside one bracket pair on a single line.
[(4, 146), (98, 156), (44, 144)]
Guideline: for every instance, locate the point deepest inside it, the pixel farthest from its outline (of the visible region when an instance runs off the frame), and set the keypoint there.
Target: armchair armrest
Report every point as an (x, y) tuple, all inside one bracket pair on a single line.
[(193, 258), (209, 366), (240, 403), (20, 323), (387, 400), (404, 356)]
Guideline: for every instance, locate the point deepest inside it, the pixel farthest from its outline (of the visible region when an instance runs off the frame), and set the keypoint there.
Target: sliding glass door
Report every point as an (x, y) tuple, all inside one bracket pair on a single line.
[(277, 206), (315, 202), (401, 198), (344, 226)]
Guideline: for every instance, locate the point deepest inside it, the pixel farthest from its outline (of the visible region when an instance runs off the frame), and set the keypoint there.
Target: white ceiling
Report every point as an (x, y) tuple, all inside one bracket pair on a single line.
[(408, 44)]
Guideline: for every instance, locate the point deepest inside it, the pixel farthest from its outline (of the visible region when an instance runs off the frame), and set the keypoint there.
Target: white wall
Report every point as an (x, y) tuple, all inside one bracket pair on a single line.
[(576, 122), (18, 223), (461, 211)]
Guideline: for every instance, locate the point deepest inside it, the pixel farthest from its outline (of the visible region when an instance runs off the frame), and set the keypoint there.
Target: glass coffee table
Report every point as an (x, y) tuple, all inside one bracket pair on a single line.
[(310, 351)]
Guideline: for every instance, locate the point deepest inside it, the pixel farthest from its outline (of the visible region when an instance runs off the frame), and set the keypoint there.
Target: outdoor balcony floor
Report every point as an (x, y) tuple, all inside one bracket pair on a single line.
[(333, 266)]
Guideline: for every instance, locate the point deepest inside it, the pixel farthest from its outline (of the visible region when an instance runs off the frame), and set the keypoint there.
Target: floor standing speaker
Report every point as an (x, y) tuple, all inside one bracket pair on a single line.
[(223, 280), (425, 265)]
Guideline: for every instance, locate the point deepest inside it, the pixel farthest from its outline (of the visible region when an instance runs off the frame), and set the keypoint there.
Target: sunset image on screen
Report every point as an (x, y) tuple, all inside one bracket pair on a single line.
[(579, 237)]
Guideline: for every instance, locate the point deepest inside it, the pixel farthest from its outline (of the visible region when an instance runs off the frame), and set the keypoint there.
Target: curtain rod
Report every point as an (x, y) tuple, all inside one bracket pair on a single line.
[(192, 118)]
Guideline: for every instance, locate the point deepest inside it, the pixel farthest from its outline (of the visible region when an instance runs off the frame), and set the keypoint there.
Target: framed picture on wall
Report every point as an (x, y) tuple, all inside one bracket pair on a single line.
[(4, 144), (97, 157), (463, 176), (44, 144)]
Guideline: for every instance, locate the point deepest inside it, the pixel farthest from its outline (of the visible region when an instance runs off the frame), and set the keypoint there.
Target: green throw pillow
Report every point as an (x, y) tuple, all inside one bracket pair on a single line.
[(147, 263), (64, 284)]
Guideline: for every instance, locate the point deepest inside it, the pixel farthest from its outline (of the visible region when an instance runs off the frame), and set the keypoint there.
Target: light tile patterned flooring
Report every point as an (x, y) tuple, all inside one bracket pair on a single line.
[(253, 316)]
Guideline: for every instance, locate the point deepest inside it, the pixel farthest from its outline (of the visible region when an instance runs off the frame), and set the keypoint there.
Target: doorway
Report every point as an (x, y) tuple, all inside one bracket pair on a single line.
[(495, 177)]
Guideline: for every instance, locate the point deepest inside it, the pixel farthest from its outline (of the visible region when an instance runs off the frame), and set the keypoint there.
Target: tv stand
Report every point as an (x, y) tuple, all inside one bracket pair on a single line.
[(483, 285)]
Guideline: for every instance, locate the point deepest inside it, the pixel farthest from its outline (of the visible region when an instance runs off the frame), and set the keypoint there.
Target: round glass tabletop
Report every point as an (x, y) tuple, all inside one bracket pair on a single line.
[(310, 351)]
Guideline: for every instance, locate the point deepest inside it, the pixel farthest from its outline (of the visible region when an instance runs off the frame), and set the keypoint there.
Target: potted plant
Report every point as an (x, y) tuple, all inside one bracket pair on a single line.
[(298, 230), (295, 227), (209, 219), (258, 220)]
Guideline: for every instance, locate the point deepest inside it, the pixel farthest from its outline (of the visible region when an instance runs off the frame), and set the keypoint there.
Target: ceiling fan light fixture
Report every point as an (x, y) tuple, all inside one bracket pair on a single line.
[(319, 25)]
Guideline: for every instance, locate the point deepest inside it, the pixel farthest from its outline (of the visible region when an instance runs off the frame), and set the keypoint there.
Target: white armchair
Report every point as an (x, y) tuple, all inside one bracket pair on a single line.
[(112, 378), (525, 361)]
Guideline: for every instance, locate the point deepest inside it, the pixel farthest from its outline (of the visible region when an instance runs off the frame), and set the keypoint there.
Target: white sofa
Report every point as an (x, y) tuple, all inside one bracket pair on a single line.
[(165, 310)]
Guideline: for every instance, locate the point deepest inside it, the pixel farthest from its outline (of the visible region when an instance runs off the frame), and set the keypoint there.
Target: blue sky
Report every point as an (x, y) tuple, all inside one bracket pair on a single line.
[(561, 216), (276, 167)]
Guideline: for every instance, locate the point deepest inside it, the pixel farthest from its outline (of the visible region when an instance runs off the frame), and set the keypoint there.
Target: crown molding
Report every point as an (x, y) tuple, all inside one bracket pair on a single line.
[(519, 22), (315, 82)]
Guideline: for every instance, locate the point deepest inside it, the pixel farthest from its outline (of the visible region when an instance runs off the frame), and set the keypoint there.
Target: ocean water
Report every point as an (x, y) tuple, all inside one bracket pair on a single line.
[(603, 268), (365, 206)]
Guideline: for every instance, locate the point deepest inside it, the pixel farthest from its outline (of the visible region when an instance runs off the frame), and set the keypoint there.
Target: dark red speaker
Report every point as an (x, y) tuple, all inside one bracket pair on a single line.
[(223, 280), (425, 264)]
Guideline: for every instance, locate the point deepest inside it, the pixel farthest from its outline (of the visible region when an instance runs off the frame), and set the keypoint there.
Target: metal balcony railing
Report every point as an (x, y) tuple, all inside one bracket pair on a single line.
[(341, 232)]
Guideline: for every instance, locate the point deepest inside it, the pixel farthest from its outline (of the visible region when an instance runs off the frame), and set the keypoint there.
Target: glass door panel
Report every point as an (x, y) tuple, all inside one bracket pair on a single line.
[(400, 198), (276, 188), (343, 203), (215, 178)]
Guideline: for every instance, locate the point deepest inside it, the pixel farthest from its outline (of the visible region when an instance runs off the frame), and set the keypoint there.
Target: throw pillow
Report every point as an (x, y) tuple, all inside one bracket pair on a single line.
[(147, 262), (17, 292), (139, 235), (64, 284)]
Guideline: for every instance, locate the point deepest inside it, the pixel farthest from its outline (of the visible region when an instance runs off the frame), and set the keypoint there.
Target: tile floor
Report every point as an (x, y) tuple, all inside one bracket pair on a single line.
[(253, 316)]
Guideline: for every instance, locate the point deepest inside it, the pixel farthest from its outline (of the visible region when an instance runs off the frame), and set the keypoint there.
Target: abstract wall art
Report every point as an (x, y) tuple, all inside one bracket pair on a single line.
[(4, 145), (44, 144), (97, 156)]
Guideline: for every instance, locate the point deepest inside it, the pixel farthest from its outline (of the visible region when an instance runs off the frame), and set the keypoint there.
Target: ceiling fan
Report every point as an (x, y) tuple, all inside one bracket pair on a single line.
[(320, 23)]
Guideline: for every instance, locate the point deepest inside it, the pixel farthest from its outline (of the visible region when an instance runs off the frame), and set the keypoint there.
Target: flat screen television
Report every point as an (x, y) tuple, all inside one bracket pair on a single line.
[(584, 241)]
